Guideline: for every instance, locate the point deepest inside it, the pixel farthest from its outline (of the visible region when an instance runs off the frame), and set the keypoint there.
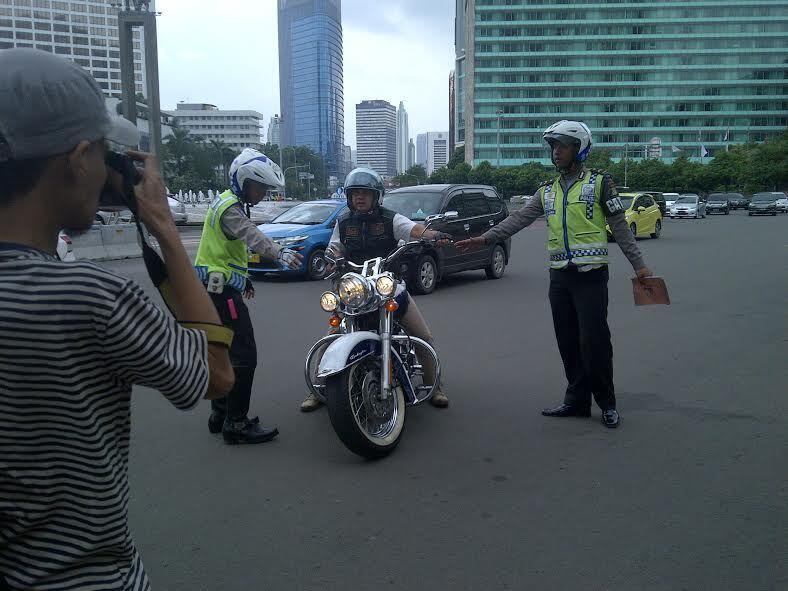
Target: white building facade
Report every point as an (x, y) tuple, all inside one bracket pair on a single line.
[(437, 150), (238, 129), (85, 32), (403, 138), (376, 137), (275, 131)]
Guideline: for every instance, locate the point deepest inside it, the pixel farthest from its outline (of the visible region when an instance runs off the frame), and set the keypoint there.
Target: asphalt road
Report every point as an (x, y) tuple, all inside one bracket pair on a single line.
[(690, 493)]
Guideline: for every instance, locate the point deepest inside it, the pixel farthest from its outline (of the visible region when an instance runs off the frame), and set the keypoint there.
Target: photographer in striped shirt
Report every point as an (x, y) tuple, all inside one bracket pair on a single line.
[(75, 338)]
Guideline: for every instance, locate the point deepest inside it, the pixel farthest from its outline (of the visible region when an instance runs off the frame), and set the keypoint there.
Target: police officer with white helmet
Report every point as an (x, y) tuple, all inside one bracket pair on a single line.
[(578, 205), (222, 265)]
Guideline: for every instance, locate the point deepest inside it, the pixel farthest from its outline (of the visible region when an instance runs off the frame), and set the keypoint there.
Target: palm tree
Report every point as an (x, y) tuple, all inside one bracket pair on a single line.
[(223, 155), (179, 147)]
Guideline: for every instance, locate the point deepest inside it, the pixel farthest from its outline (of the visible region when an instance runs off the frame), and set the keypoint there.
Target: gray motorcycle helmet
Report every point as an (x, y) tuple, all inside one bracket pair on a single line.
[(364, 178)]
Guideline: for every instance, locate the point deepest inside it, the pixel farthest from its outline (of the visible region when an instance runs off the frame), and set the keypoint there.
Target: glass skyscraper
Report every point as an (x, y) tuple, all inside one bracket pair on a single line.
[(311, 79), (656, 79)]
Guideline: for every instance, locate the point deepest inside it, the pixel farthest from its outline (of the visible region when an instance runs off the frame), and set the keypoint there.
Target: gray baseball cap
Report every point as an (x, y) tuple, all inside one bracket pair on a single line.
[(48, 104)]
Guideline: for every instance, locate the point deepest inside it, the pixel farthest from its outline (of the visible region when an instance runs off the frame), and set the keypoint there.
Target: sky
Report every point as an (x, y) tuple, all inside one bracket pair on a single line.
[(226, 53)]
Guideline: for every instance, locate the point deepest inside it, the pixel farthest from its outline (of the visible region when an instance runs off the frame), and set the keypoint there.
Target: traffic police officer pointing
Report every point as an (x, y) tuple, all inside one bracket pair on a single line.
[(222, 260), (578, 204)]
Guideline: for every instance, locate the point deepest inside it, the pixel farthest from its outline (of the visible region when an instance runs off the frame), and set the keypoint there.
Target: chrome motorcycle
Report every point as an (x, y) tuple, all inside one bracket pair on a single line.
[(369, 371)]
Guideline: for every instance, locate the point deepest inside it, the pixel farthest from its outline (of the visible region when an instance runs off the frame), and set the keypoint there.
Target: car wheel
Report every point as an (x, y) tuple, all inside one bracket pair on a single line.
[(497, 266), (634, 229), (424, 275), (316, 266), (657, 229)]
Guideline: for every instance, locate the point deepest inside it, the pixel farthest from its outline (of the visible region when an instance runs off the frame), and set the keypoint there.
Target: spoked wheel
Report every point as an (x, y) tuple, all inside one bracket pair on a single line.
[(367, 424), (424, 276)]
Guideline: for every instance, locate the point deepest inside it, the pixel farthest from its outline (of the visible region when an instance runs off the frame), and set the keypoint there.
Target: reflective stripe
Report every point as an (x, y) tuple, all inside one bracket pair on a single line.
[(582, 253)]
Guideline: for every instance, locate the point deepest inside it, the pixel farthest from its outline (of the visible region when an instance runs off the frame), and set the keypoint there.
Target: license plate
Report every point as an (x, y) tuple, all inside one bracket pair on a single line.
[(254, 258)]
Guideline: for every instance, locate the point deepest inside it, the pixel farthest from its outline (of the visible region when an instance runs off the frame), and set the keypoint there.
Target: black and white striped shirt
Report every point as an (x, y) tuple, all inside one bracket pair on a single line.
[(74, 338)]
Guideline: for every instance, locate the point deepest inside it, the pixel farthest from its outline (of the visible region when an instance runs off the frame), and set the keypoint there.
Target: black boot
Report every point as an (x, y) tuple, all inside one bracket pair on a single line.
[(566, 410), (216, 422), (247, 431)]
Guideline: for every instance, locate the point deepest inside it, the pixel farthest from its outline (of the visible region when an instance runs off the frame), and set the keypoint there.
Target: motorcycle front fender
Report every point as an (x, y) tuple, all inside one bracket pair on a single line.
[(348, 350)]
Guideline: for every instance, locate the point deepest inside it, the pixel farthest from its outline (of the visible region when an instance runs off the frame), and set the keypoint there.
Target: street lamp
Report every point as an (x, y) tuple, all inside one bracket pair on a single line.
[(282, 162), (498, 113)]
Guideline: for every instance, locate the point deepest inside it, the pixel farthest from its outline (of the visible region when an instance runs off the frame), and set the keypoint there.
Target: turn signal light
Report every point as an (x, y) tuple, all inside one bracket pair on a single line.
[(335, 321), (392, 306)]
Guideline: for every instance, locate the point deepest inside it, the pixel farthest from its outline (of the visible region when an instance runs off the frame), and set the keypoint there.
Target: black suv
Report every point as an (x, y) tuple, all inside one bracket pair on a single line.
[(718, 203), (479, 208)]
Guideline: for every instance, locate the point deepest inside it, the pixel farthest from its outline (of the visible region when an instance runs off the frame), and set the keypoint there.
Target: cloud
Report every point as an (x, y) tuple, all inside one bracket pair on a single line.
[(226, 53)]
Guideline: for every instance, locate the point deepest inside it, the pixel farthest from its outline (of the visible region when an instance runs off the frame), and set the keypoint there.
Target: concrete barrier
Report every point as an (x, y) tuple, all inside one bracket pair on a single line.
[(120, 241), (89, 245)]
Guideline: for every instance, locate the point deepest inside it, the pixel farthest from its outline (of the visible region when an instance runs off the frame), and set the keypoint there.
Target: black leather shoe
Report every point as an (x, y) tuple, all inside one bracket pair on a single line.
[(566, 410), (610, 418), (215, 423), (247, 431)]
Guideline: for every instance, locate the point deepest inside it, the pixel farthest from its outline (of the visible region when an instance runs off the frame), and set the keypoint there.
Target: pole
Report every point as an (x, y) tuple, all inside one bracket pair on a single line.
[(626, 165), (498, 112)]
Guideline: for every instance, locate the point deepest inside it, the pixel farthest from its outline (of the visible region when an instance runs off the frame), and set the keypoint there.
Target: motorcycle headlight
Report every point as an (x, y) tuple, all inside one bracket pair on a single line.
[(329, 302), (291, 240), (386, 285), (353, 290)]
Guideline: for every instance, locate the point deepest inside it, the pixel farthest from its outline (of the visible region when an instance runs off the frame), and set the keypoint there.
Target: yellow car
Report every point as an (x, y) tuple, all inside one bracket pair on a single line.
[(642, 214)]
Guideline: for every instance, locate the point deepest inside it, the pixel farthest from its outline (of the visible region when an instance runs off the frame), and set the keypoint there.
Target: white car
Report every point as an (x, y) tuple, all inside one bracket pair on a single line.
[(670, 199), (178, 210), (65, 250), (688, 205), (782, 205)]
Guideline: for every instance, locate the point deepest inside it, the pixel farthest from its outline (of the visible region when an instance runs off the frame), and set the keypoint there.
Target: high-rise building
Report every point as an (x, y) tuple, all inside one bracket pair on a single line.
[(311, 82), (237, 129), (348, 157), (458, 111), (437, 150), (275, 131), (403, 135), (85, 32), (683, 74), (411, 153), (376, 137), (421, 149), (452, 111)]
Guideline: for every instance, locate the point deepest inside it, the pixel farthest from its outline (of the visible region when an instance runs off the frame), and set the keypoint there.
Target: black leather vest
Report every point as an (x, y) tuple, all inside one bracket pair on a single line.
[(367, 236)]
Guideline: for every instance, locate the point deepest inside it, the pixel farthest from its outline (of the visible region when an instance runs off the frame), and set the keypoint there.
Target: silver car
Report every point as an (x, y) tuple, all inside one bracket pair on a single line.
[(688, 205), (178, 211)]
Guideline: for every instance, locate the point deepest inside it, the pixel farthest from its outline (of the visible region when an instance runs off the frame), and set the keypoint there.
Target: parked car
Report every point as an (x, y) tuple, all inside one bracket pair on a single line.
[(737, 201), (688, 205), (670, 199), (718, 203), (763, 204), (782, 204), (178, 211), (307, 229), (479, 208), (65, 249), (659, 198), (642, 214)]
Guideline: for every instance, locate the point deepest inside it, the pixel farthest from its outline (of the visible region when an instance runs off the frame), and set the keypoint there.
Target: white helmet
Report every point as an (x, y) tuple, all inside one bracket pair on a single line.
[(254, 165), (576, 130)]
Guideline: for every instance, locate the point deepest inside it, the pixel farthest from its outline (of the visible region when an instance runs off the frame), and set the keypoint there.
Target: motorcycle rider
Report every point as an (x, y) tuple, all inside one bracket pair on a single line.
[(368, 231), (221, 264)]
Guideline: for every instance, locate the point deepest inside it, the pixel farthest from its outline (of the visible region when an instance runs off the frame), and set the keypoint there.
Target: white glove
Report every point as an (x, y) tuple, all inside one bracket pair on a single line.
[(289, 258)]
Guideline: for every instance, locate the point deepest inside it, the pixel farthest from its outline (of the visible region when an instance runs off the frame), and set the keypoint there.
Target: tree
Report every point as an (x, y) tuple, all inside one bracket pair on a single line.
[(458, 157)]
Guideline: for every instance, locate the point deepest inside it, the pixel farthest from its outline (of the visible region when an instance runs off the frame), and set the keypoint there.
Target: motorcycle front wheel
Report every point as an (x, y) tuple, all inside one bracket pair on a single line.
[(367, 425)]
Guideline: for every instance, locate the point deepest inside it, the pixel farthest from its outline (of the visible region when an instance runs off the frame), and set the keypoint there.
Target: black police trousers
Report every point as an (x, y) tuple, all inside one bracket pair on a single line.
[(243, 353), (579, 304)]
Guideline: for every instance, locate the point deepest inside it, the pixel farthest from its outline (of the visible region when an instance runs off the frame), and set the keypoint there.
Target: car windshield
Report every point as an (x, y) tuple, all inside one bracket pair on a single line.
[(763, 198), (626, 201), (687, 199), (308, 214), (718, 197), (416, 205)]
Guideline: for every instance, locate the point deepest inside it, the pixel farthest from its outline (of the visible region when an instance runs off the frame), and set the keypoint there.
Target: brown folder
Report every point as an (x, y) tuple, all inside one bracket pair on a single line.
[(650, 291)]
